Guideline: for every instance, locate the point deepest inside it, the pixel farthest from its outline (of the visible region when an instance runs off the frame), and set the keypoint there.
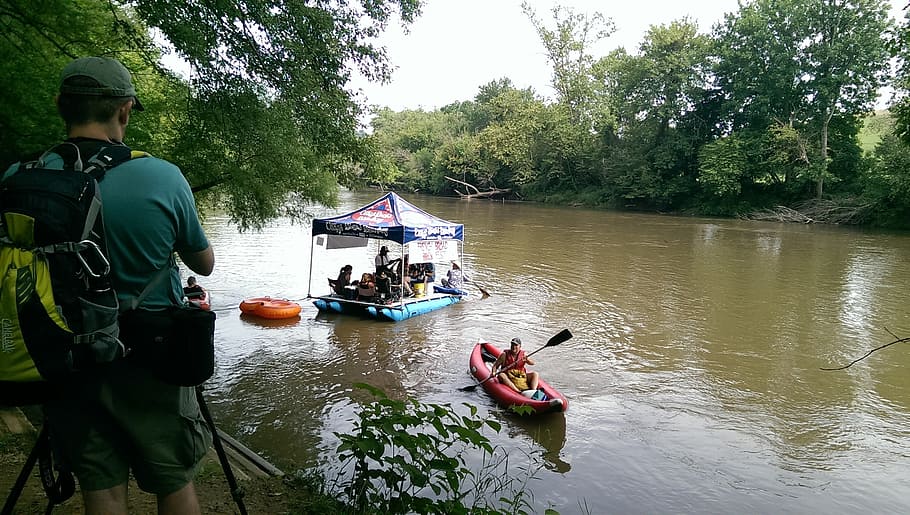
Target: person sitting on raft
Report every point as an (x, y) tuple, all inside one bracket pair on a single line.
[(454, 277), (384, 262), (366, 288), (429, 272), (510, 368), (344, 279)]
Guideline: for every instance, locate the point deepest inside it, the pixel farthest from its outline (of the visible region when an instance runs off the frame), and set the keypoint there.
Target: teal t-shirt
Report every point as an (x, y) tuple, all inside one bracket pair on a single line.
[(149, 213)]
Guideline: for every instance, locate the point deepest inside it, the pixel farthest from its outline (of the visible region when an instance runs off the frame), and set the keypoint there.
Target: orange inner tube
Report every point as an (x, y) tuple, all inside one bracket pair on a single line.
[(267, 307)]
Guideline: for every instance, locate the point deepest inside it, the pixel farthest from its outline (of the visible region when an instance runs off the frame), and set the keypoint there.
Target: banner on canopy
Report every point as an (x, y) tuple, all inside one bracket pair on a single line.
[(341, 242), (433, 251)]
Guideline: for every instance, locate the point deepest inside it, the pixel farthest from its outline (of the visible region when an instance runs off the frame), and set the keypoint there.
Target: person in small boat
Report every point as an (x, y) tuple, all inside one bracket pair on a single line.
[(454, 277), (344, 279), (509, 367), (192, 290)]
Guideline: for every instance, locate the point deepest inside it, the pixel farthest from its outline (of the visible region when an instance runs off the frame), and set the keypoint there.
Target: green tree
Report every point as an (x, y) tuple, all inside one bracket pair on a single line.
[(411, 139), (568, 46), (509, 143), (38, 39), (263, 126), (652, 95), (800, 64), (887, 184), (722, 166)]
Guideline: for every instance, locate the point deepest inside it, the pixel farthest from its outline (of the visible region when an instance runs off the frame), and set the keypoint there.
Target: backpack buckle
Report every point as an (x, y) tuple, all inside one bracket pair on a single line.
[(96, 256)]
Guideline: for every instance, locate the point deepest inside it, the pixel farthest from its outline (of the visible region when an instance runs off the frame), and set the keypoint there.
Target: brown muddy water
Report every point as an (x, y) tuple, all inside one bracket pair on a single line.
[(693, 378)]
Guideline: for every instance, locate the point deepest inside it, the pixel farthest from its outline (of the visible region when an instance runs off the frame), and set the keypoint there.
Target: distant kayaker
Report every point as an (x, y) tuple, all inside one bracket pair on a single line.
[(192, 289), (510, 368)]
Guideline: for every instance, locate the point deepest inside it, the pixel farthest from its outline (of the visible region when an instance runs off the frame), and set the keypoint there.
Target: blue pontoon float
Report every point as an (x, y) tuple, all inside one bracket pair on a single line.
[(390, 219)]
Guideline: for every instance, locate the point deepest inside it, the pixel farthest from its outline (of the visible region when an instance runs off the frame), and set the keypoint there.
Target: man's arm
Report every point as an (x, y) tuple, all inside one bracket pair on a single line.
[(202, 262), (497, 364)]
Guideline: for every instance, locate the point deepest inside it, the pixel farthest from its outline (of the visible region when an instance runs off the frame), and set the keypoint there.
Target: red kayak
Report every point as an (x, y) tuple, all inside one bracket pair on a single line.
[(507, 397)]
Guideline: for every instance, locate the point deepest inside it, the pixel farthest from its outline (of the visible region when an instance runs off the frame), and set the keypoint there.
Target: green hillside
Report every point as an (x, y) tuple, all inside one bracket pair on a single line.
[(875, 126)]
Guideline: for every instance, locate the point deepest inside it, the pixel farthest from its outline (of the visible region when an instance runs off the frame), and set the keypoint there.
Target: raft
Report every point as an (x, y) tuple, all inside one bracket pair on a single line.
[(507, 397), (267, 307), (395, 312), (201, 300), (390, 219)]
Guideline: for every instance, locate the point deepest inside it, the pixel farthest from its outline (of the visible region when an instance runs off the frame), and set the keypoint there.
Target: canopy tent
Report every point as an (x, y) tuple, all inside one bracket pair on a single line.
[(422, 236), (390, 218)]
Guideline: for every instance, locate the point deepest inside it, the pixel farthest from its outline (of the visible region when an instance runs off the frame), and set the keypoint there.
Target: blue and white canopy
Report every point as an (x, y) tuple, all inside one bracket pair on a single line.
[(390, 218)]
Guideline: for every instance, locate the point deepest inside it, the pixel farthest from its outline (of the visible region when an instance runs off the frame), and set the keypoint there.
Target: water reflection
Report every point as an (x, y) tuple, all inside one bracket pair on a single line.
[(269, 322), (548, 432)]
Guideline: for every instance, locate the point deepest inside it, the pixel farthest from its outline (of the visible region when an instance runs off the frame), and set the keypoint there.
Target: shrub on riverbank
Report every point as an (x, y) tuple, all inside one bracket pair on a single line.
[(403, 456)]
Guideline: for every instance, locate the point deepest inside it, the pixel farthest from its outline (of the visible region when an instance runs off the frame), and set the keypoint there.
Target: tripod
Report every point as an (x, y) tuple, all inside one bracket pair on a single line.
[(62, 487)]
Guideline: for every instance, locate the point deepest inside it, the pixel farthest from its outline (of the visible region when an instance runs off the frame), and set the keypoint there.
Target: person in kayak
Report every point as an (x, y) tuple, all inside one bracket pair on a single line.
[(193, 290), (510, 368)]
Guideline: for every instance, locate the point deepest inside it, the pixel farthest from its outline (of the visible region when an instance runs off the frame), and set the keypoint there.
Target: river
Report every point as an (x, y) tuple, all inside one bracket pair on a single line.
[(694, 375)]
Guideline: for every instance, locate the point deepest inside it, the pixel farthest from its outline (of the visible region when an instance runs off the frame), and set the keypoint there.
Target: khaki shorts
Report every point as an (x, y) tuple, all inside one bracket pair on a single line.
[(128, 420)]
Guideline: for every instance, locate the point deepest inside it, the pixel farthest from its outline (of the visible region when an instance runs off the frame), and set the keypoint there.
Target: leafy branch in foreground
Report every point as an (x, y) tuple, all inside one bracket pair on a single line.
[(411, 457), (866, 355)]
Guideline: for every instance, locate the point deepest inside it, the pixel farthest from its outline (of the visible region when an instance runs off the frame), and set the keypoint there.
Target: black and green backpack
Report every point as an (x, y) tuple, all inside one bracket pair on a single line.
[(58, 311)]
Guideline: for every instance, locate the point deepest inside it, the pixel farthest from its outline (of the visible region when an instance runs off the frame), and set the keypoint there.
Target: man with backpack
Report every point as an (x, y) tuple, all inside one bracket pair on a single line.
[(122, 418)]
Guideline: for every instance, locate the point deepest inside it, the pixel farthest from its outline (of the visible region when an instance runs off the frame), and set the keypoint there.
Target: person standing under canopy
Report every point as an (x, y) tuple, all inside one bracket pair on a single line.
[(382, 260)]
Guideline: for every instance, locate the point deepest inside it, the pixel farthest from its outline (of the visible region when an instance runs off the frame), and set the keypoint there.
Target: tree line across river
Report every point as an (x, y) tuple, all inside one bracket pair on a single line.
[(766, 114)]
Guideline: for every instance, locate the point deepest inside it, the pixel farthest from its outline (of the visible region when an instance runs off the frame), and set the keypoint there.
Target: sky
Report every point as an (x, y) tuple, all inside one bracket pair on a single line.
[(456, 46)]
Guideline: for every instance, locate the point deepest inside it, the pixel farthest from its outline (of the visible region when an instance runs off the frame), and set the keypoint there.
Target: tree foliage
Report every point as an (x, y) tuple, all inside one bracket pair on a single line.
[(764, 110), (265, 123), (409, 457), (800, 64)]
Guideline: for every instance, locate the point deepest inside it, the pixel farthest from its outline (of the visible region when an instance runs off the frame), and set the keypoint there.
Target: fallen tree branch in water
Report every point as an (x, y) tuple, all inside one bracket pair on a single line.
[(866, 355), (493, 191), (841, 211)]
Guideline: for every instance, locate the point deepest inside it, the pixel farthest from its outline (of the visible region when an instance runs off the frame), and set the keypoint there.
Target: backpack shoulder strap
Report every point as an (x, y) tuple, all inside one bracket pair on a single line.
[(107, 158), (97, 165)]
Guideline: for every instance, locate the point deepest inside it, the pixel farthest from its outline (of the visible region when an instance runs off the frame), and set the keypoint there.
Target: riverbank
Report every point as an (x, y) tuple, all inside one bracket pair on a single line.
[(262, 492)]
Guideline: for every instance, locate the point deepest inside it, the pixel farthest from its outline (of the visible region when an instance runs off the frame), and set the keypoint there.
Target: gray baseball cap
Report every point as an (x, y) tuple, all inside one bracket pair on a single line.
[(112, 77)]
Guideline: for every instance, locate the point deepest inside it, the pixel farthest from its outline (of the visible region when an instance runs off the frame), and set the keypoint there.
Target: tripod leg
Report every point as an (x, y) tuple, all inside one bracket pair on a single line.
[(236, 492), (24, 473)]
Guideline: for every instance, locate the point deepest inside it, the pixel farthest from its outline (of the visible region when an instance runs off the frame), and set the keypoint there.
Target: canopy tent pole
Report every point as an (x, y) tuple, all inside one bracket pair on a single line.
[(401, 278), (309, 281)]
